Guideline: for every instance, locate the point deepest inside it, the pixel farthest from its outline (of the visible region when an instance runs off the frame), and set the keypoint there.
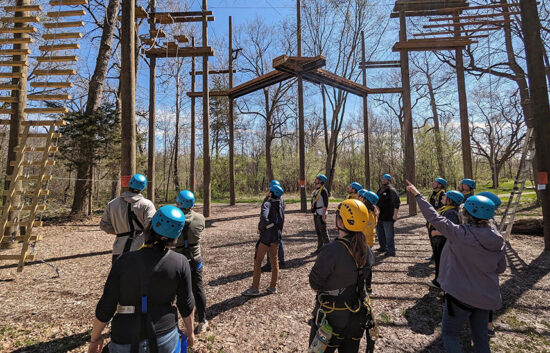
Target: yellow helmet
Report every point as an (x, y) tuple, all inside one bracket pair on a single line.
[(354, 214)]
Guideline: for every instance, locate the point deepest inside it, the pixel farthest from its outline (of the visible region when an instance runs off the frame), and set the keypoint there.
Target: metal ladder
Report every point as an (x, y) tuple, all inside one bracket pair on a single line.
[(527, 155)]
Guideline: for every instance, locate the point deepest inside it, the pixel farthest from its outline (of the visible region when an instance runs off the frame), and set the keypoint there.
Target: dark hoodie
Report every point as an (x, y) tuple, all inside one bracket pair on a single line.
[(272, 219), (471, 261)]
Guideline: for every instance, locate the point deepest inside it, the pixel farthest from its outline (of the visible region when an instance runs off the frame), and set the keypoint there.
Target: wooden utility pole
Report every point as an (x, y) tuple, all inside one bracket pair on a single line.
[(17, 117), (205, 116), (231, 122), (463, 106), (301, 132), (128, 92), (152, 117), (192, 157), (538, 90), (410, 172), (365, 115)]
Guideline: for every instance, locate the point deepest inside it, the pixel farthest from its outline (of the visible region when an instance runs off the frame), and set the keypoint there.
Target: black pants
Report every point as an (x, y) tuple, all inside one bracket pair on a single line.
[(432, 245), (368, 279), (439, 242), (339, 321), (321, 230), (198, 293)]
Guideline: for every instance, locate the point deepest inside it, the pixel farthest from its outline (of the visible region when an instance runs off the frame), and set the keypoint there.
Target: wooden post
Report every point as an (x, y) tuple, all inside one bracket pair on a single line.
[(301, 132), (463, 107), (16, 118), (539, 99), (365, 115), (128, 91), (409, 163), (205, 117), (232, 200), (192, 152), (152, 117)]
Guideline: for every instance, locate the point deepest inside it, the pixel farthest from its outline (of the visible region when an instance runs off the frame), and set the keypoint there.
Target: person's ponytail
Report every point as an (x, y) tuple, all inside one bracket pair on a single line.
[(358, 245)]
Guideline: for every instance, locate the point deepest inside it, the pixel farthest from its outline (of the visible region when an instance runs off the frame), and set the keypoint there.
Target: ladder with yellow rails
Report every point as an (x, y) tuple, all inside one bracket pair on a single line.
[(524, 169), (30, 167)]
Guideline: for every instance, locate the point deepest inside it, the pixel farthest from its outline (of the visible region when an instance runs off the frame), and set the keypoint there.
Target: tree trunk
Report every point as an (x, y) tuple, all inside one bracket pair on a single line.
[(177, 138), (437, 133), (95, 94)]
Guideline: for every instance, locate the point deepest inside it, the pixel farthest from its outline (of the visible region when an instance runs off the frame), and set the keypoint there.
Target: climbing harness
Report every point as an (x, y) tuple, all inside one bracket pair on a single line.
[(314, 208)]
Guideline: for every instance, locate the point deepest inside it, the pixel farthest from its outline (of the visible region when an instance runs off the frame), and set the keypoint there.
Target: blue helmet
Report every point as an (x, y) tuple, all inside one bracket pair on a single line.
[(456, 196), (371, 196), (362, 192), (138, 182), (186, 199), (441, 181), (168, 221), (496, 200), (356, 186), (274, 182), (322, 177), (387, 176), (480, 207), (471, 183), (276, 190)]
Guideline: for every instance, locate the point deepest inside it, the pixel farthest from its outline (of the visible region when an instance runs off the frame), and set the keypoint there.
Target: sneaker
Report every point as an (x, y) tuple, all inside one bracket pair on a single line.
[(434, 283), (271, 290), (251, 292), (203, 325), (266, 268), (429, 258), (380, 250), (282, 265), (491, 329)]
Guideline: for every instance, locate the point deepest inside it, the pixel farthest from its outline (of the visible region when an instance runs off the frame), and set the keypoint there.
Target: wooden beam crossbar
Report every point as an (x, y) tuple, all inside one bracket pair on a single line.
[(471, 17), (474, 23), (178, 52), (432, 44), (211, 93), (258, 83)]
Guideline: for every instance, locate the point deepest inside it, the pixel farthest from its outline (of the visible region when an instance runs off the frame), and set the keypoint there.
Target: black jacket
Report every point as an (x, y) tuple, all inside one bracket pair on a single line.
[(272, 219)]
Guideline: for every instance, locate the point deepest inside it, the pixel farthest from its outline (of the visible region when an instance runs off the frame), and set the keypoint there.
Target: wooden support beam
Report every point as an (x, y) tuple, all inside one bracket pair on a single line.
[(385, 90), (58, 122), (380, 66), (57, 47), (28, 257), (48, 162), (212, 94), (25, 224), (183, 14), (21, 52), (471, 17), (23, 8), (157, 33), (66, 35), (61, 110), (12, 74), (258, 83), (473, 23), (178, 52), (52, 84), (479, 7), (212, 72), (68, 2), (15, 40), (14, 63), (26, 19), (466, 31), (48, 97), (163, 18), (41, 192), (192, 19), (71, 24), (431, 44), (8, 99), (70, 13), (54, 72), (27, 29), (43, 135), (140, 12), (8, 87), (44, 178), (59, 58)]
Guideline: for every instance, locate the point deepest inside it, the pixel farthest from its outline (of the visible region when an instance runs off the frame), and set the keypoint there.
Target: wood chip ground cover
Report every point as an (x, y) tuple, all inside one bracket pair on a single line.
[(41, 312)]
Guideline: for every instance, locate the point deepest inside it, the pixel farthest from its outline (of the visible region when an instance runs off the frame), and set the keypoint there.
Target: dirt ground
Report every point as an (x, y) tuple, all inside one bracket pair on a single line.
[(41, 312)]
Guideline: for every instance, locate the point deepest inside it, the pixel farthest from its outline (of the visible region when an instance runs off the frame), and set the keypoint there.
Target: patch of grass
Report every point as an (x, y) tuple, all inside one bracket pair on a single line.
[(384, 318)]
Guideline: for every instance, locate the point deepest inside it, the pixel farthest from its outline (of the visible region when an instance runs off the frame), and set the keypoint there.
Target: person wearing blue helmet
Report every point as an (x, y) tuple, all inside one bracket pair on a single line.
[(451, 202), (281, 254), (188, 244), (370, 199), (471, 262), (319, 208), (141, 290), (388, 204), (353, 190), (467, 188), (270, 228), (127, 216), (438, 190)]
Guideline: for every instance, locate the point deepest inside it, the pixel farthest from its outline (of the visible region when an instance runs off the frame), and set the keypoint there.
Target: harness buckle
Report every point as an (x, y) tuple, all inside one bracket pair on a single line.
[(126, 309)]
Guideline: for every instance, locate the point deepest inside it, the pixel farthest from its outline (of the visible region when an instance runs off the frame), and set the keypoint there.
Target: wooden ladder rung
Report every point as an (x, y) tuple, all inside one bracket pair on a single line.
[(52, 149), (70, 13), (47, 162), (15, 51), (68, 2), (28, 29), (51, 84), (23, 8), (12, 74), (45, 177), (28, 257), (56, 47), (8, 87), (7, 111), (16, 40), (181, 38), (71, 24), (22, 238), (60, 58), (61, 110), (42, 192), (64, 35), (29, 207), (57, 122), (13, 63), (48, 97), (8, 99), (41, 134), (26, 19), (54, 72), (24, 224)]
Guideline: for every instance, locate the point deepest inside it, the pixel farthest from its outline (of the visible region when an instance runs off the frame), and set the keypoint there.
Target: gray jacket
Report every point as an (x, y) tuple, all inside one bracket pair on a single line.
[(115, 219), (471, 260)]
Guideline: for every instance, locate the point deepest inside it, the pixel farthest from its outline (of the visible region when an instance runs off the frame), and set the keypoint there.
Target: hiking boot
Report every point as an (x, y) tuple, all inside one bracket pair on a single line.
[(282, 265), (266, 268), (251, 292), (202, 326), (271, 290), (380, 250)]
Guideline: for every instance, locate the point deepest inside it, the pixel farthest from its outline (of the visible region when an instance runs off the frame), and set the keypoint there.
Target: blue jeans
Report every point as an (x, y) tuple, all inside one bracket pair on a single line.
[(386, 235), (453, 325), (166, 344)]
